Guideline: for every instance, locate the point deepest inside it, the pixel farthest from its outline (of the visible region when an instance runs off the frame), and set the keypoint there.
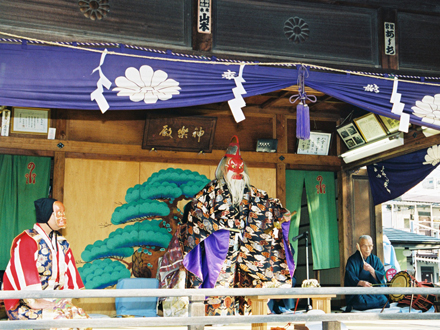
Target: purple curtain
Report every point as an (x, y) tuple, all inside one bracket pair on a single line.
[(419, 102), (56, 77), (392, 178)]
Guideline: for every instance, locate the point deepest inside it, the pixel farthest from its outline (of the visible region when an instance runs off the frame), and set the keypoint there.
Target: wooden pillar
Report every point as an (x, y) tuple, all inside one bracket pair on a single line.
[(58, 175), (60, 122), (391, 60), (280, 132), (259, 307), (331, 325), (196, 308), (202, 26), (379, 231), (345, 220), (281, 183)]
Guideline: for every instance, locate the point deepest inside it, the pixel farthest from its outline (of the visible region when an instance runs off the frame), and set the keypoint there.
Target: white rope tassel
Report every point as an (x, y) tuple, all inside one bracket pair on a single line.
[(98, 94), (238, 102), (398, 107)]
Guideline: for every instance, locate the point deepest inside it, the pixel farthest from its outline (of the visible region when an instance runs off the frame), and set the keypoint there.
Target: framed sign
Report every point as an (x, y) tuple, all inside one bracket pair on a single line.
[(267, 145), (192, 133), (204, 16), (370, 127), (318, 144), (350, 135), (392, 125), (30, 120)]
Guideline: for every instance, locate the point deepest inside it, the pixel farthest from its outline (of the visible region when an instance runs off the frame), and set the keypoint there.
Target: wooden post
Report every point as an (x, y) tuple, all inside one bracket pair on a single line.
[(196, 308), (331, 325), (281, 134), (58, 175), (259, 307), (390, 61), (202, 26), (345, 224), (60, 120), (281, 183), (379, 231)]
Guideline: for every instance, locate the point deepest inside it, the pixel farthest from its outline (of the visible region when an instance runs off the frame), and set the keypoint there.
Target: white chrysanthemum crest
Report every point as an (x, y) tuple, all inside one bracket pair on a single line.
[(428, 109), (146, 84), (432, 155)]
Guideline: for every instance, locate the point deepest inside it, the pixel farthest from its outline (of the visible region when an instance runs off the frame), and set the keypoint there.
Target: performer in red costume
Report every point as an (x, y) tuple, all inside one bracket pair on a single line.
[(234, 236), (41, 259)]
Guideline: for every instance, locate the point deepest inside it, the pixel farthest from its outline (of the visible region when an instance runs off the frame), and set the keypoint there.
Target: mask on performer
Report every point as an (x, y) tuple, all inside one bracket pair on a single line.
[(233, 170), (60, 215), (45, 208), (235, 167)]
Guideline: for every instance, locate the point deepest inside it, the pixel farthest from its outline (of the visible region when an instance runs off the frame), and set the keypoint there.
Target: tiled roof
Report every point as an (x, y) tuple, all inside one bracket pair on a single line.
[(399, 237)]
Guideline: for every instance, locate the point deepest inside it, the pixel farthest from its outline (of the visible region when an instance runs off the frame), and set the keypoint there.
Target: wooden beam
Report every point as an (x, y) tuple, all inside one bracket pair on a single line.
[(309, 91), (26, 152), (411, 145), (136, 153), (319, 115), (272, 100)]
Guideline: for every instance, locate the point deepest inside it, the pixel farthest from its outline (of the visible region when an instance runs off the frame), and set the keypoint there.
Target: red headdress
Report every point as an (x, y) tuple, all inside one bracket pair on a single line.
[(233, 150), (235, 163)]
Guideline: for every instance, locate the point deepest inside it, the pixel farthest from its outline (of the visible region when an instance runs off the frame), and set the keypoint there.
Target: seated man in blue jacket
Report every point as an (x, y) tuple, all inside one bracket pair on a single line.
[(364, 269)]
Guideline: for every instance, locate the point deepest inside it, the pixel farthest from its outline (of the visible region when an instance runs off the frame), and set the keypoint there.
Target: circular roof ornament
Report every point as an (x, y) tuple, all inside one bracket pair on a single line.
[(296, 29), (94, 9)]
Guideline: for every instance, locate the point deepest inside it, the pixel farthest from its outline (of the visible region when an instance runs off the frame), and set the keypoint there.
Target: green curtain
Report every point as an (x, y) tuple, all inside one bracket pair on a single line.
[(23, 179), (321, 205), (294, 189)]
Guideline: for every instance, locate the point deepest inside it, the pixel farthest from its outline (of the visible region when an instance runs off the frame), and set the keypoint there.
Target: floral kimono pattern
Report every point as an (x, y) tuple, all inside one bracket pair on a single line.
[(47, 264), (243, 246)]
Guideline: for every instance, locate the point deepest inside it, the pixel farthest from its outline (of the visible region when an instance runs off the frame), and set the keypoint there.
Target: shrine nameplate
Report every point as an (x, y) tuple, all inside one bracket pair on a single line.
[(192, 133)]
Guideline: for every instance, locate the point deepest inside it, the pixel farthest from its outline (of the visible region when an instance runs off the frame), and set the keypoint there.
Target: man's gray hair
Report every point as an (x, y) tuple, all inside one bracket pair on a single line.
[(368, 237)]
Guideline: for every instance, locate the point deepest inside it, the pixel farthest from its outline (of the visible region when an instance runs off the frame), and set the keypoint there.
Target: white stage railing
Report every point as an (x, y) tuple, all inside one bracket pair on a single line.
[(196, 296)]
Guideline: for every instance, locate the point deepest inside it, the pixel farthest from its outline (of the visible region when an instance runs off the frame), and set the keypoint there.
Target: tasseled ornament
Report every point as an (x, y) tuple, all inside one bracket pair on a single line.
[(302, 109), (302, 121)]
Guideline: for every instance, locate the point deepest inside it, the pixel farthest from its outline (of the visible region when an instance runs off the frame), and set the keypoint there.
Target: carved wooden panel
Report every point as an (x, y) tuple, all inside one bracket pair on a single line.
[(419, 44), (191, 133), (128, 21), (319, 31)]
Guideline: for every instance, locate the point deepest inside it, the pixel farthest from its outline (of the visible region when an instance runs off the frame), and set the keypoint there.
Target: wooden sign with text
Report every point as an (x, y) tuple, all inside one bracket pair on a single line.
[(192, 133)]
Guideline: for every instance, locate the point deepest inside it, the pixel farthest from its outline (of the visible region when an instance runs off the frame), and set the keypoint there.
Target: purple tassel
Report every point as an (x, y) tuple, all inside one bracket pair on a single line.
[(299, 119), (302, 121)]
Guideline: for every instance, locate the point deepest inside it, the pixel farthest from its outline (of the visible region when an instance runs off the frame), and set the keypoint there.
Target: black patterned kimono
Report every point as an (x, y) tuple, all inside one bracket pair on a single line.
[(235, 247)]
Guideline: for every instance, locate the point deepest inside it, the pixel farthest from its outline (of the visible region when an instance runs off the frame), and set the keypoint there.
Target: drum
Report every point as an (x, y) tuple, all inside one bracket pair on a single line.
[(402, 280), (417, 301)]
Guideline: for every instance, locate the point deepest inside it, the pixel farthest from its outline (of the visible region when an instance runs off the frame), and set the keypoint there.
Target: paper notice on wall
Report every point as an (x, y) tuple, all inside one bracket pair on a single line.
[(51, 134), (6, 119)]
